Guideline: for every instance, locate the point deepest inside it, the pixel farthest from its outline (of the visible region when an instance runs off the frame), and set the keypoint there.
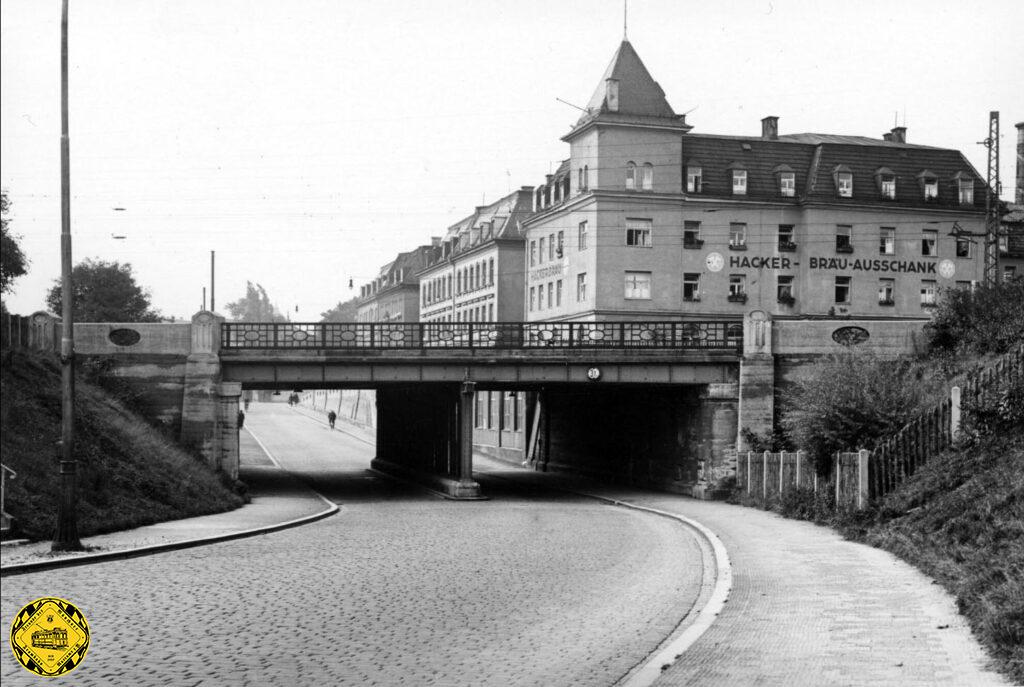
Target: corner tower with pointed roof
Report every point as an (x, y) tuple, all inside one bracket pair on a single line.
[(628, 120)]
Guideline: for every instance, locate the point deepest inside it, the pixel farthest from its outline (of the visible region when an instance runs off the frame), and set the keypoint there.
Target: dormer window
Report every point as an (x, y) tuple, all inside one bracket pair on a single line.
[(739, 182), (929, 186), (965, 189), (886, 180), (647, 180), (786, 179), (693, 177), (630, 176), (843, 178)]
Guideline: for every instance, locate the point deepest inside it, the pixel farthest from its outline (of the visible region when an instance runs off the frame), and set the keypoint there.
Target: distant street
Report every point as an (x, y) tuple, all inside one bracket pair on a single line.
[(401, 587)]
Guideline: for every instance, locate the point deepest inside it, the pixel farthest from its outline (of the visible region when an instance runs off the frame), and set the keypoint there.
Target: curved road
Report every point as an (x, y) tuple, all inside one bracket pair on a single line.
[(528, 588)]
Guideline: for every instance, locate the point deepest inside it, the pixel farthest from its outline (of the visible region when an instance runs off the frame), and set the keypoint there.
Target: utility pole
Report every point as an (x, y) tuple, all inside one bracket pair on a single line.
[(213, 307), (66, 536), (992, 202)]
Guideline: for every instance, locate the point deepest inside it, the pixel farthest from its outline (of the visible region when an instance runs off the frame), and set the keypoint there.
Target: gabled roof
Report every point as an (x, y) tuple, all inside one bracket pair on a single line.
[(640, 99)]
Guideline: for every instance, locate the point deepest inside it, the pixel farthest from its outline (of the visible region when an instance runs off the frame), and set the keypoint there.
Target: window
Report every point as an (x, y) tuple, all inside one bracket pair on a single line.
[(738, 288), (787, 184), (492, 421), (581, 236), (481, 409), (551, 247), (843, 288), (638, 233), (586, 177), (786, 237), (691, 287), (965, 189), (887, 184), (931, 188), (630, 176), (963, 247), (490, 272), (1003, 244), (691, 235), (541, 252), (558, 293), (581, 287), (581, 183), (844, 184), (965, 285), (929, 238), (533, 253), (647, 180), (533, 294), (560, 248), (737, 235), (844, 238), (638, 285), (551, 295), (693, 179), (927, 293), (887, 241), (508, 414), (1009, 273), (886, 291), (540, 297), (784, 290), (458, 282), (739, 182)]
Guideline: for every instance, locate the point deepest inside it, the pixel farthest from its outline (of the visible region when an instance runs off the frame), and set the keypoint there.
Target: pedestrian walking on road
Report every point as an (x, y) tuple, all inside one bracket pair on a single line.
[(241, 418), (331, 417)]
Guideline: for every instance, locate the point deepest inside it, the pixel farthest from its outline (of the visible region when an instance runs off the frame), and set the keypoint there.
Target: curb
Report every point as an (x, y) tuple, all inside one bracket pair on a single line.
[(71, 561)]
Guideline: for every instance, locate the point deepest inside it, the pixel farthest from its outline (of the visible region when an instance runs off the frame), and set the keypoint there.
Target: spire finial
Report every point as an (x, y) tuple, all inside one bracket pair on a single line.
[(625, 19)]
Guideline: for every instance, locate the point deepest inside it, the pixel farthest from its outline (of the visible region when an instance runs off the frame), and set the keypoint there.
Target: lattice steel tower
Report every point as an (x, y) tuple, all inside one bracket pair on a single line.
[(992, 201)]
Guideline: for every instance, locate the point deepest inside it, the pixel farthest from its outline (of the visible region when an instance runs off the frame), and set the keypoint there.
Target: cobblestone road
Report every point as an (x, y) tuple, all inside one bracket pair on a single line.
[(399, 588)]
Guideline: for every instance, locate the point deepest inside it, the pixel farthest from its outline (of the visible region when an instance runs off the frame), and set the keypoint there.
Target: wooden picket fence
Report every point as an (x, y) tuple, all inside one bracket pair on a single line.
[(924, 437), (766, 477), (41, 333)]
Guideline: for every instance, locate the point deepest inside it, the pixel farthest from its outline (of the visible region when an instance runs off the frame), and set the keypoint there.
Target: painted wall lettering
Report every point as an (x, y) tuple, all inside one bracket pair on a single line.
[(759, 263), (845, 264)]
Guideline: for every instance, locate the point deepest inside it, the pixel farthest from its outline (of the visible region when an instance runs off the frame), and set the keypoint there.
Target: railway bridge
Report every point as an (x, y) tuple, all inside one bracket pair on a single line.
[(662, 402)]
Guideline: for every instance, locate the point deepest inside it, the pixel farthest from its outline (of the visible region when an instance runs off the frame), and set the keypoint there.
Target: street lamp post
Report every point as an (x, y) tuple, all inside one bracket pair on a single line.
[(66, 536)]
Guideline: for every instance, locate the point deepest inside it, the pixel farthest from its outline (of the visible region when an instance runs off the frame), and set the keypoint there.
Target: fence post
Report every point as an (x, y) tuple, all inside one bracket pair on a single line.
[(863, 495), (782, 469), (799, 459), (838, 475), (764, 477), (748, 473), (954, 412)]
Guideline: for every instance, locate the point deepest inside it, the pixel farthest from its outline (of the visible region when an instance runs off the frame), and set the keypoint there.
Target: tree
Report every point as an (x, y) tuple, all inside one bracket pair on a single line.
[(854, 401), (255, 306), (986, 319), (13, 263), (104, 292), (342, 312)]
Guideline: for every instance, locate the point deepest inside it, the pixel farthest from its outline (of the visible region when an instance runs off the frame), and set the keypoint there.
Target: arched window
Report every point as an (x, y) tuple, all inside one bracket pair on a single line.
[(630, 176), (647, 181)]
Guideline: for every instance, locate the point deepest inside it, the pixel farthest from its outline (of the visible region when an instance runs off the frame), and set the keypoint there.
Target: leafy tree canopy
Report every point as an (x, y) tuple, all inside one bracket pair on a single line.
[(987, 319), (342, 312), (255, 306), (104, 292), (13, 263)]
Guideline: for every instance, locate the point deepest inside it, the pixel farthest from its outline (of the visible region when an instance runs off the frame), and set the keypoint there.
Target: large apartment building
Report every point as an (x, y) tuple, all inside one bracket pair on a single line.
[(647, 220)]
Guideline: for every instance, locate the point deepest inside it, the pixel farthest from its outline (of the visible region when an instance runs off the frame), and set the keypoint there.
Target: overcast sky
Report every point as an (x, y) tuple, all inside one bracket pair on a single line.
[(307, 142)]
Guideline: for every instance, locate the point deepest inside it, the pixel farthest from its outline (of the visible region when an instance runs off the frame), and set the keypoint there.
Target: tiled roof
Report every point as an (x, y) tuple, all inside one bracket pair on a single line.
[(814, 159)]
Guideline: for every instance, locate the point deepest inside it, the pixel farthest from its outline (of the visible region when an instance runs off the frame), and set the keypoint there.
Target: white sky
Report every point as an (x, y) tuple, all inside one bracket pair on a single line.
[(309, 141)]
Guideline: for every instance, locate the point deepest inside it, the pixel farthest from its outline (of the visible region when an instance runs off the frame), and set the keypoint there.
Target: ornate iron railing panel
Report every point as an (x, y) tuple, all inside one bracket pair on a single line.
[(708, 335)]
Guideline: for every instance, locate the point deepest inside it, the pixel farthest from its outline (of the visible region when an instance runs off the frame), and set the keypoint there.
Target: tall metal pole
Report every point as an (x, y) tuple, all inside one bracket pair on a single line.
[(213, 306), (992, 202), (66, 536)]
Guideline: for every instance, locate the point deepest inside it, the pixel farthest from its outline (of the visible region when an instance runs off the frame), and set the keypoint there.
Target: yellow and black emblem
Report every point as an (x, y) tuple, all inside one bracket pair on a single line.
[(50, 636)]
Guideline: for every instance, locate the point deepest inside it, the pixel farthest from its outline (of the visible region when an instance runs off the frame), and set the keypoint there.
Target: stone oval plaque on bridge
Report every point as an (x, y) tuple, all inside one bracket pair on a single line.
[(348, 335), (124, 337), (446, 335), (850, 336), (251, 335), (397, 335), (299, 336), (545, 335), (596, 334)]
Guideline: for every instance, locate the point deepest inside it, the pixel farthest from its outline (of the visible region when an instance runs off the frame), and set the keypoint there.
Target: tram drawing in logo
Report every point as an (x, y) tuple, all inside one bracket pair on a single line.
[(57, 638)]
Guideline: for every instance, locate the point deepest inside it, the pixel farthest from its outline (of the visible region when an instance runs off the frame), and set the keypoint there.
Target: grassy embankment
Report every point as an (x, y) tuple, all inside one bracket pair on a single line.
[(129, 473)]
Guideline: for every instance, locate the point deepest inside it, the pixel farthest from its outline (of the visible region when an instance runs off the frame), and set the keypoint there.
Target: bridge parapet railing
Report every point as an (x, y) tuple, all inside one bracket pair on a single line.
[(703, 335)]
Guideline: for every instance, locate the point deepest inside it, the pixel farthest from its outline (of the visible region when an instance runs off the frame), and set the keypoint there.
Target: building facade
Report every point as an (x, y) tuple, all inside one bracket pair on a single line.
[(475, 274), (394, 295), (649, 221)]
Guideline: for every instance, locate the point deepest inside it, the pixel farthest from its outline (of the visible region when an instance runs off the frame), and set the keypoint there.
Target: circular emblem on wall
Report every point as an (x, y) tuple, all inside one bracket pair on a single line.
[(594, 374), (50, 636), (947, 268), (850, 336), (714, 262), (124, 337)]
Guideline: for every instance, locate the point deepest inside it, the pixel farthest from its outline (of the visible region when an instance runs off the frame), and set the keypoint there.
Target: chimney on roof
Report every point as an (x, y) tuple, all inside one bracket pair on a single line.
[(611, 92), (887, 137), (435, 241), (770, 128), (899, 134)]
